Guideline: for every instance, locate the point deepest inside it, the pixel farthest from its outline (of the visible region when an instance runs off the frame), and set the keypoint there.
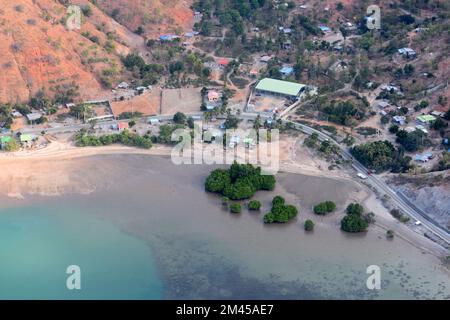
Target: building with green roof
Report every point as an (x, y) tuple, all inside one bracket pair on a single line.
[(427, 118), (279, 87), (25, 138), (4, 140)]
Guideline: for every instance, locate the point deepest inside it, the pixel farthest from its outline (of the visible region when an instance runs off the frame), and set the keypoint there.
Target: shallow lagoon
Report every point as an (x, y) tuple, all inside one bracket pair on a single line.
[(157, 234)]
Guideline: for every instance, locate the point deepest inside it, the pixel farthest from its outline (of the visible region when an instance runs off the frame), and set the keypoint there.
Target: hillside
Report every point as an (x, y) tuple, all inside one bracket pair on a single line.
[(39, 52), (155, 17)]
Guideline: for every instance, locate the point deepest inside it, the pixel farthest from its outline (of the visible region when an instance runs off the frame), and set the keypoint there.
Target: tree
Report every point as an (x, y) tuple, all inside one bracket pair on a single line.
[(353, 223), (412, 141), (324, 207), (309, 225), (231, 122), (354, 220), (394, 129), (439, 124), (179, 118), (239, 182), (254, 205), (280, 212), (355, 208), (11, 145), (235, 208)]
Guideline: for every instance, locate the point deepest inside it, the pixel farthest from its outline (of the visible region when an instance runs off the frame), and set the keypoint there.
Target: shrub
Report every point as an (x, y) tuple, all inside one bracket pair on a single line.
[(179, 118), (239, 182), (309, 225), (324, 207), (390, 234), (254, 205), (353, 223), (354, 220), (280, 213), (355, 208), (235, 208)]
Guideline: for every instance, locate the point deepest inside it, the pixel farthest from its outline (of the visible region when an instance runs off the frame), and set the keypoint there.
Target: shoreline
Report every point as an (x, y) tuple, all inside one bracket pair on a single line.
[(60, 162)]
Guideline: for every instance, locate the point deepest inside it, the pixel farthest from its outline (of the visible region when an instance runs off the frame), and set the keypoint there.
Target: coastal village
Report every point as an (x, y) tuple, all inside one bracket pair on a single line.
[(351, 101), (229, 91)]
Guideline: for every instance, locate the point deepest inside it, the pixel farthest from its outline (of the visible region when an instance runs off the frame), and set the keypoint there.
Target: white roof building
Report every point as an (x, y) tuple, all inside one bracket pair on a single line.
[(34, 116)]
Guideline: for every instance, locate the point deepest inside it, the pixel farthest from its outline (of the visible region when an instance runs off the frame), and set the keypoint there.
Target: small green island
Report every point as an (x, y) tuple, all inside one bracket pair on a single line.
[(281, 212), (355, 221), (240, 182)]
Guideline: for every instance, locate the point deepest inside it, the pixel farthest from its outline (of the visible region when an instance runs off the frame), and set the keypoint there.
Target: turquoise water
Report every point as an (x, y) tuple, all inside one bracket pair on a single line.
[(37, 244)]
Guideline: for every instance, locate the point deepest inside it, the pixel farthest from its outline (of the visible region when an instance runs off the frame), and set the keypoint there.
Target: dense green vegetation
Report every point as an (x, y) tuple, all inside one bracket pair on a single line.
[(5, 116), (254, 205), (280, 213), (309, 225), (381, 156), (412, 141), (84, 139), (11, 146), (354, 221), (239, 182), (324, 207), (148, 73), (165, 133), (235, 208)]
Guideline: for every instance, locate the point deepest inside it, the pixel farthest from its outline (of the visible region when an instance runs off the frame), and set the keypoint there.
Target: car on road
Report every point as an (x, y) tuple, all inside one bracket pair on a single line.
[(362, 176), (418, 223)]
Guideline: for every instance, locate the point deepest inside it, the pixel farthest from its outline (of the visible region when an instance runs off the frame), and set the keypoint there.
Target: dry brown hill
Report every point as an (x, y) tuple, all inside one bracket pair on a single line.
[(155, 16), (38, 51)]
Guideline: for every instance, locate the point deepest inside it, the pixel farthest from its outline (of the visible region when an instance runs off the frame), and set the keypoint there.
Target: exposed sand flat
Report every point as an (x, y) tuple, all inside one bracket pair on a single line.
[(63, 168)]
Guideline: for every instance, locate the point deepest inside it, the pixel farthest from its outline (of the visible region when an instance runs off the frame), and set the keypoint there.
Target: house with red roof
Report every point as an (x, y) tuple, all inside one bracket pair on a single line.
[(123, 125)]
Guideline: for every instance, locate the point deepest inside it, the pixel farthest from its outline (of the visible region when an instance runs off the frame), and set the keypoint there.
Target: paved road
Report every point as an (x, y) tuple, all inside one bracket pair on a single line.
[(399, 199)]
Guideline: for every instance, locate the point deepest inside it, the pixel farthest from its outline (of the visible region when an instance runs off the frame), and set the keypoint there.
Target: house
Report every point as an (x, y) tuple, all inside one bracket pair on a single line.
[(16, 114), (437, 113), (324, 28), (168, 37), (410, 129), (153, 121), (390, 88), (265, 59), (286, 71), (34, 116), (383, 104), (287, 30), (254, 73), (223, 62), (197, 16), (4, 140), (399, 119), (26, 139), (213, 96), (407, 52), (70, 105), (123, 85), (421, 128), (210, 107), (123, 126), (426, 118), (423, 157), (280, 88)]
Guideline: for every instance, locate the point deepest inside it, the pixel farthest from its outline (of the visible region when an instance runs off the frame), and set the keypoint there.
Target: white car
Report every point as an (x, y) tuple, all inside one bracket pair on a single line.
[(362, 176), (418, 223)]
